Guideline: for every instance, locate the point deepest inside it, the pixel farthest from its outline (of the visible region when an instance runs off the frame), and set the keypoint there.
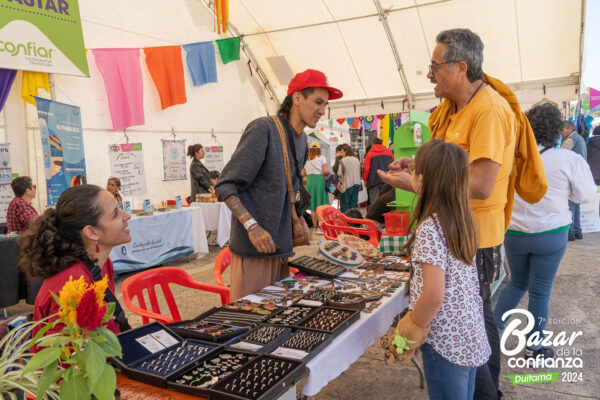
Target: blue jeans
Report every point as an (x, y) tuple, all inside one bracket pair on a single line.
[(533, 262), (446, 381), (349, 198), (576, 224)]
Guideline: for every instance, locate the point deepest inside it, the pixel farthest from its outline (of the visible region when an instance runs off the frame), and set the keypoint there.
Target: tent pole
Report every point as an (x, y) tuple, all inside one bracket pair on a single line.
[(383, 18), (260, 72)]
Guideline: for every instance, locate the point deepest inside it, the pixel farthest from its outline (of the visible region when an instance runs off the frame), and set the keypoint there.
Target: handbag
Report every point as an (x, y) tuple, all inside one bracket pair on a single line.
[(341, 187), (298, 234)]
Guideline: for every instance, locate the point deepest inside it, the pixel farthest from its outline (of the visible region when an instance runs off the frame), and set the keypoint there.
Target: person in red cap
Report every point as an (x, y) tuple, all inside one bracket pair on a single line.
[(253, 185)]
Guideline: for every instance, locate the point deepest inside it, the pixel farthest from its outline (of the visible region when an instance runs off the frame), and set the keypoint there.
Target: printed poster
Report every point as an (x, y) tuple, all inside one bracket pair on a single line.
[(6, 196), (174, 166), (62, 144), (127, 164), (5, 170), (214, 158), (43, 36)]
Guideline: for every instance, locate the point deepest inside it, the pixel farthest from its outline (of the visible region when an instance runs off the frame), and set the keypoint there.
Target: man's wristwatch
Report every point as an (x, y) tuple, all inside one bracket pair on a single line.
[(251, 223)]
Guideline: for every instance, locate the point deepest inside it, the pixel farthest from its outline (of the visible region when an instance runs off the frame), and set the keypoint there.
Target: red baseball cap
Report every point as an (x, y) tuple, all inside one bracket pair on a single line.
[(315, 79)]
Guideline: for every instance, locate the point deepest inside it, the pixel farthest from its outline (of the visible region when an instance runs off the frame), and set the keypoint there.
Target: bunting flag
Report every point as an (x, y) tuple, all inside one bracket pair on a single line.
[(201, 62), (166, 68), (361, 122), (7, 77), (32, 81), (122, 74), (384, 133), (229, 49), (341, 121), (375, 124), (594, 98), (222, 15)]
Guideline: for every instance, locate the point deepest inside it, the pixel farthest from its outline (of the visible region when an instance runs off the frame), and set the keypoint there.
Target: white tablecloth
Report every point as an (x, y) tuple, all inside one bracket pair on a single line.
[(152, 243), (217, 217), (345, 349)]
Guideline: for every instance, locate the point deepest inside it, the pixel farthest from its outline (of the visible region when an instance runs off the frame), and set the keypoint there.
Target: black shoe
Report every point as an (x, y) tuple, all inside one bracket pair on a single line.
[(539, 355), (571, 238), (579, 236)]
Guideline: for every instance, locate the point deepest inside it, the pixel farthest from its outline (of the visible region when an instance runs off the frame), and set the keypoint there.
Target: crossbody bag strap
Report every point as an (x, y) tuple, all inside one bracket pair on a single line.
[(286, 163), (546, 148)]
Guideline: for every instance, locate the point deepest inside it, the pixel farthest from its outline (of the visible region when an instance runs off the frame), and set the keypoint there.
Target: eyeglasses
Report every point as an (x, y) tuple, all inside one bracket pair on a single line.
[(434, 67)]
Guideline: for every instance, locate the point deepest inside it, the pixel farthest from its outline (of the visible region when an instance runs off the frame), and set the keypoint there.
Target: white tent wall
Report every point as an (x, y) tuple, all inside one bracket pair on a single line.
[(225, 107)]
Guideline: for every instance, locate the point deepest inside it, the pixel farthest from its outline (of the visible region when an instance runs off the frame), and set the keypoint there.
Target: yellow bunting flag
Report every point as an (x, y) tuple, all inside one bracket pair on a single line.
[(32, 81)]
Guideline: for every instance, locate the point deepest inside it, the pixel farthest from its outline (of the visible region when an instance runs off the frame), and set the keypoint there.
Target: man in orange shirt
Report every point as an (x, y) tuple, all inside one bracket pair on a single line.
[(483, 124)]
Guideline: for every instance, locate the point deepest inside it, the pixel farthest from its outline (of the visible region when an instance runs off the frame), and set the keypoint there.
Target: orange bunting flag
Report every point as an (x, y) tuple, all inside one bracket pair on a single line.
[(222, 15), (166, 68)]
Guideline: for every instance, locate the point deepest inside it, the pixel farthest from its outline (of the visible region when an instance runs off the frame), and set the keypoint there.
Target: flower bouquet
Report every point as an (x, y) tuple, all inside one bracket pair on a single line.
[(75, 358)]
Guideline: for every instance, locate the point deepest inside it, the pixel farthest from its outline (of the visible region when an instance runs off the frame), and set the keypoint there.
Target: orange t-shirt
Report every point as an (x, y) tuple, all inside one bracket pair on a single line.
[(486, 128)]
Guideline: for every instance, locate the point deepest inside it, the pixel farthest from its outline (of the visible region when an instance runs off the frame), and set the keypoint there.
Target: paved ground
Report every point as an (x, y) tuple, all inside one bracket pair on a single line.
[(574, 306)]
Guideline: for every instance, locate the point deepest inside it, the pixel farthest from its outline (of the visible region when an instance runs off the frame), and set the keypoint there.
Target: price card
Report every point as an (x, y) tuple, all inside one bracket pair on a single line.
[(289, 353), (150, 344), (247, 346), (164, 338)]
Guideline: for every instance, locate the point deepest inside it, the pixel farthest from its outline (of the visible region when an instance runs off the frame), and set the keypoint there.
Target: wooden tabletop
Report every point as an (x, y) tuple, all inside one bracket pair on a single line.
[(134, 390)]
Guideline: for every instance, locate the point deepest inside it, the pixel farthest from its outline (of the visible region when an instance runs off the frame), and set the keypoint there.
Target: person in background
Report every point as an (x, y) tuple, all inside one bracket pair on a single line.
[(113, 186), (253, 185), (593, 154), (199, 175), (446, 310), (537, 236), (20, 213), (379, 207), (315, 170), (378, 158), (338, 157), (72, 240), (213, 176), (575, 142), (350, 174)]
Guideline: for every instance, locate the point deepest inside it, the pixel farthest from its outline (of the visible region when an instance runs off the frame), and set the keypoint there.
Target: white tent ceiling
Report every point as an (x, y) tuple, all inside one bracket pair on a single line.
[(528, 43)]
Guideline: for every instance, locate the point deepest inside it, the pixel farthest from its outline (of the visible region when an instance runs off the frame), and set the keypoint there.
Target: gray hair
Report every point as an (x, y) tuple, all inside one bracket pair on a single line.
[(569, 124), (463, 45)]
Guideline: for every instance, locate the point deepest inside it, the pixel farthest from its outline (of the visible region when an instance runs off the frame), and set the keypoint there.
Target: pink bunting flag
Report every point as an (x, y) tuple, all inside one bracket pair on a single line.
[(594, 98), (122, 74)]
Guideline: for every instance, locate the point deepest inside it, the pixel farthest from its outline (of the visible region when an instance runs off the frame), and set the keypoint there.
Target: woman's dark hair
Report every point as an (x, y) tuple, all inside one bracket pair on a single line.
[(20, 185), (596, 131), (348, 150), (54, 241), (546, 122), (214, 174), (286, 106), (193, 149)]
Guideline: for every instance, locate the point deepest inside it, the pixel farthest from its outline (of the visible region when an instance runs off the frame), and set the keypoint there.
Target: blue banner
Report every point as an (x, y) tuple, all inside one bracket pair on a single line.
[(62, 144)]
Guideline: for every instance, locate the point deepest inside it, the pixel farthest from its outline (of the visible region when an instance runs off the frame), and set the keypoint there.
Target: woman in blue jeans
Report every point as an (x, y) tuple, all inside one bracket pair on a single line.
[(349, 171), (538, 233)]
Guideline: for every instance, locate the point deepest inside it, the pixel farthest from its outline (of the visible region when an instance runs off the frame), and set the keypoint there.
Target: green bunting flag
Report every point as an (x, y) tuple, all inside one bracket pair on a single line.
[(229, 49)]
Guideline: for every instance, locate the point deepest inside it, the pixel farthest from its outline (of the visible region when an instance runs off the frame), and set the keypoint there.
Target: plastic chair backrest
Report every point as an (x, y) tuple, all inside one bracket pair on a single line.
[(146, 281), (221, 263), (334, 222), (224, 260)]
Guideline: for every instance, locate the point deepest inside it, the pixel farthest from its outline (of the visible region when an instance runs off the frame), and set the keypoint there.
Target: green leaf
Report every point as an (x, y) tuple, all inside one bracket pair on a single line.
[(74, 388), (105, 388), (94, 360), (42, 359), (111, 345), (41, 333), (48, 377), (110, 310)]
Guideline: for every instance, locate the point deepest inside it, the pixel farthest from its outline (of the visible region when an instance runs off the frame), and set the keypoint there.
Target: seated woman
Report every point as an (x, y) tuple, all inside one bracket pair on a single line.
[(113, 186), (73, 240)]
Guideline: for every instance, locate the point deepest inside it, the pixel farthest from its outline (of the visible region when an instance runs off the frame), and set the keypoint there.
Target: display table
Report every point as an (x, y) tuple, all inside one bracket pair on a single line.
[(217, 217), (159, 238), (131, 389), (345, 349)]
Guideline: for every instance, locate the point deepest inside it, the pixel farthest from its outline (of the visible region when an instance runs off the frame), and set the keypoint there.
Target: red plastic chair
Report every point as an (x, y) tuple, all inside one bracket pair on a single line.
[(222, 262), (135, 285), (333, 222)]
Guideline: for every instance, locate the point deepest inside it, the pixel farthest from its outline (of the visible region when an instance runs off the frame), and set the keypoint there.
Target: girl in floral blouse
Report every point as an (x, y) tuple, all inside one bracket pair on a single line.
[(446, 317)]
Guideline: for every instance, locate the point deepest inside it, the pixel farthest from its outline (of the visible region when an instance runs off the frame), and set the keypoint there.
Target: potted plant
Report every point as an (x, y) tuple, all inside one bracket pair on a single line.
[(15, 352), (75, 358)]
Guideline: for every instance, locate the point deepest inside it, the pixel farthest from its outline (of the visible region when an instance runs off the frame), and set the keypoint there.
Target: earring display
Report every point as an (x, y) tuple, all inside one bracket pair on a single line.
[(257, 308), (329, 319), (291, 315), (318, 297), (203, 330), (211, 371), (317, 266), (340, 253), (265, 377), (348, 300), (231, 317), (168, 362), (305, 340)]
